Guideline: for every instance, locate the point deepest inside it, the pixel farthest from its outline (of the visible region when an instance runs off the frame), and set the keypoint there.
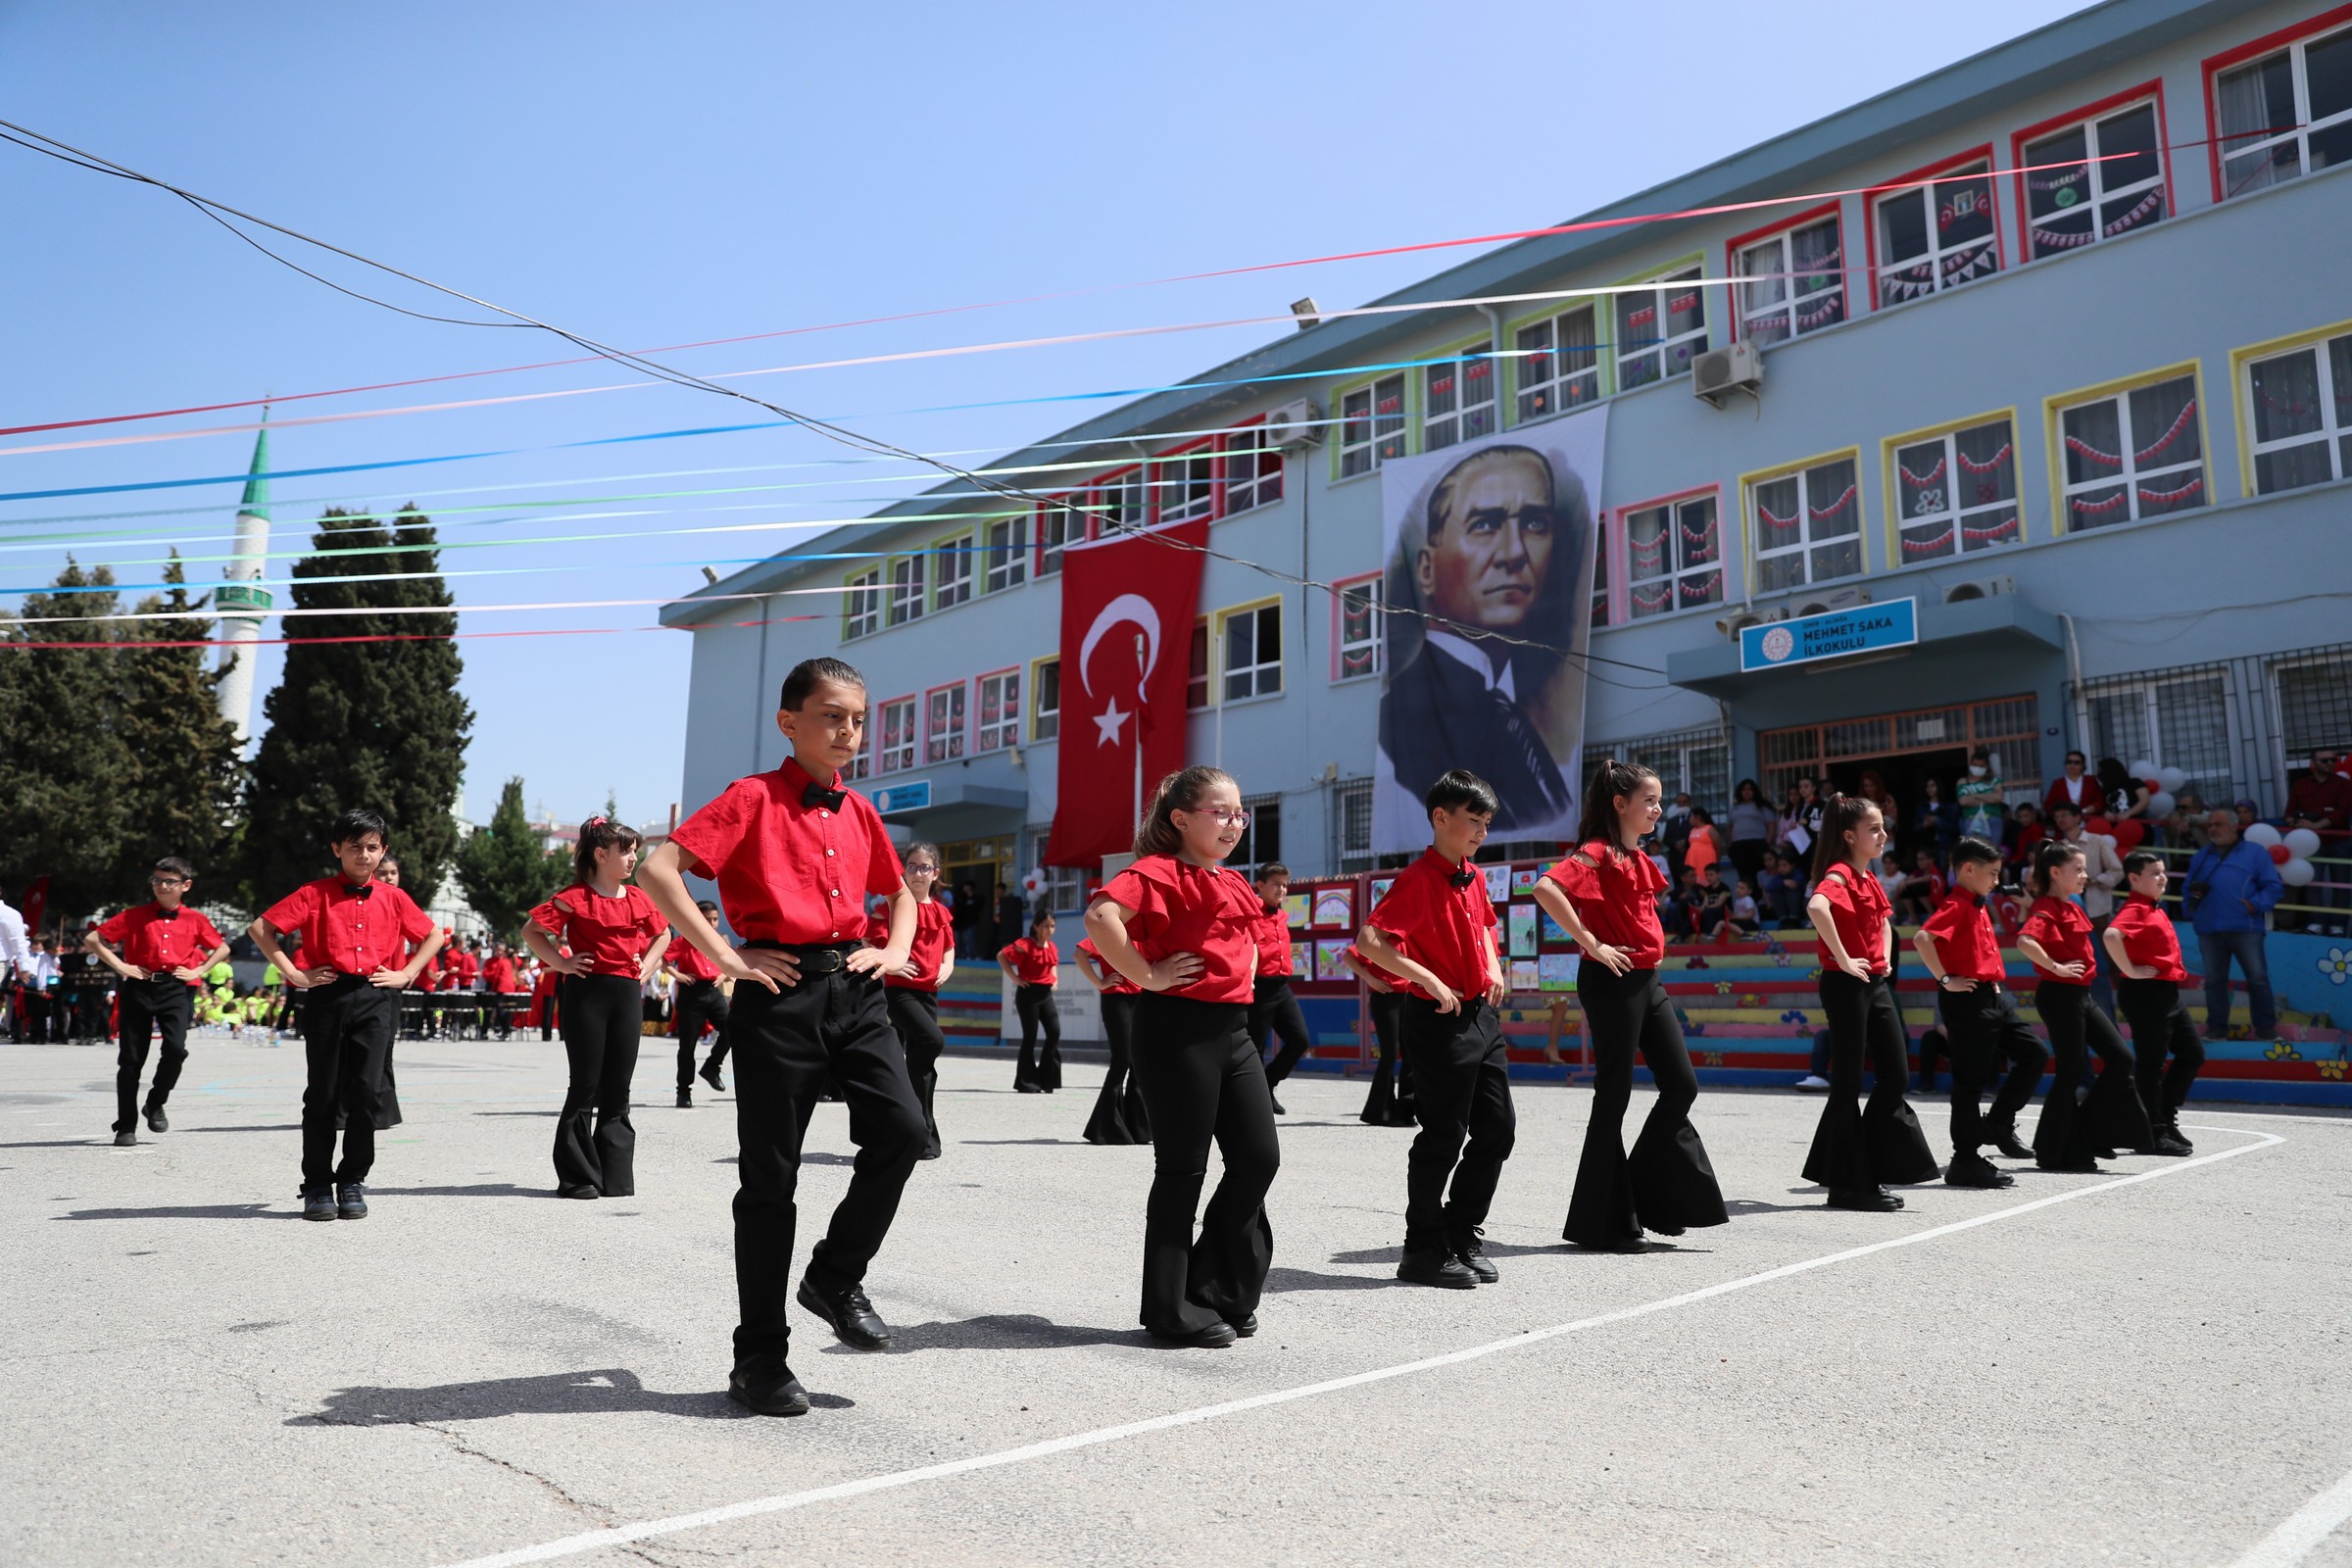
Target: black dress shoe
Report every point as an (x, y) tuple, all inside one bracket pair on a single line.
[(685, 1100), (2169, 1142), (1277, 1111), (1243, 1327), (718, 1085), (2086, 1167), (1865, 1199), (852, 1318), (1975, 1170), (157, 1121), (1216, 1337), (584, 1190), (2006, 1140), (351, 1199), (1440, 1269), (127, 1139), (765, 1386), (1469, 1249), (319, 1203), (1020, 1087), (1636, 1242)]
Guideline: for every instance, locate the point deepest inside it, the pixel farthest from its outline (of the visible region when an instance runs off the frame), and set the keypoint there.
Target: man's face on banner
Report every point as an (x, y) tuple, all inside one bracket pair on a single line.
[(1486, 561)]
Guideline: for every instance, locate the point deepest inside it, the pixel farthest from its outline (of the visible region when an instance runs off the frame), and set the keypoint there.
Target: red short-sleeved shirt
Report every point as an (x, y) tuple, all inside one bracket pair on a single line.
[(1273, 936), (499, 975), (611, 934), (788, 871), (2149, 940), (1119, 985), (160, 940), (1202, 909), (468, 969), (1438, 925), (934, 933), (1964, 939), (1859, 911), (2063, 929), (1617, 899), (689, 962), (351, 932), (1034, 963)]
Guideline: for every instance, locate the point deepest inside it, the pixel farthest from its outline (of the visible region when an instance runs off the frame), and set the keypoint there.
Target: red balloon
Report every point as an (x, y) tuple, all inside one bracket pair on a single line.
[(2155, 785), (2280, 854), (2128, 832)]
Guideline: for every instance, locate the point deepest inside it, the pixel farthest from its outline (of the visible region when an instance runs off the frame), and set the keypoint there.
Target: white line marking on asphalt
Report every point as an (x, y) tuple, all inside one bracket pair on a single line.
[(2302, 1531), (621, 1534)]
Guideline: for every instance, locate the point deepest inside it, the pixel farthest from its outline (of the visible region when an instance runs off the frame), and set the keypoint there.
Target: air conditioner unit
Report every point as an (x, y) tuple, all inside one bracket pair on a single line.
[(1842, 599), (1719, 372), (1979, 588), (1296, 425), (1732, 624)]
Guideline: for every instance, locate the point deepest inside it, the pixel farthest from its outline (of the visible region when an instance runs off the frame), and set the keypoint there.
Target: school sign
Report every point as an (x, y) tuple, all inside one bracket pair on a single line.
[(1864, 629)]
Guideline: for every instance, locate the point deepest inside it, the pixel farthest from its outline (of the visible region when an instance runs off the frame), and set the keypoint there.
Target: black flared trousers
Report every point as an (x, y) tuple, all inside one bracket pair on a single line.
[(1391, 1101), (1119, 1116), (914, 1020), (1667, 1184), (595, 1144), (1039, 1070), (2111, 1116), (1856, 1148), (2161, 1027)]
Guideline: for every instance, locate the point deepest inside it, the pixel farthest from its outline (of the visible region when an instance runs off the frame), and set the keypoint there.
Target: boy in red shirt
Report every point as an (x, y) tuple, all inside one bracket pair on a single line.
[(701, 1000), (1434, 931), (355, 931), (1980, 1018), (500, 981), (1272, 1004), (795, 852), (166, 948), (2146, 951)]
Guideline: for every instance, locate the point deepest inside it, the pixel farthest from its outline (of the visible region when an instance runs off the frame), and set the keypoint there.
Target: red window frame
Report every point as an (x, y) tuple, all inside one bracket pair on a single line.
[(1902, 182), (1225, 470), (1037, 531), (1104, 481), (2153, 88), (1020, 718), (1338, 617), (2293, 33), (914, 745), (1805, 220), (1155, 483), (922, 714), (1613, 539)]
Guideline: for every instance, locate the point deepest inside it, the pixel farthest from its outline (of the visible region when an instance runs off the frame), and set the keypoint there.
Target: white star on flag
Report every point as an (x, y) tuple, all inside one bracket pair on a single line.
[(1108, 721)]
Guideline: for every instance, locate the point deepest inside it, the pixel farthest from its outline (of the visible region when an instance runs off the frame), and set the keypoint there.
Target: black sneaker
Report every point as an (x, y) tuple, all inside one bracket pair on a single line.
[(317, 1203), (351, 1199), (765, 1386), (2169, 1142), (1440, 1269), (709, 1075), (685, 1100), (852, 1318), (127, 1139), (157, 1121), (1470, 1250)]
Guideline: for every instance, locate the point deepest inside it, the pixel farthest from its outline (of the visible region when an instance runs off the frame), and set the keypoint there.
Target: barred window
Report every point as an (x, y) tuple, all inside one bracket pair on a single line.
[(2315, 702)]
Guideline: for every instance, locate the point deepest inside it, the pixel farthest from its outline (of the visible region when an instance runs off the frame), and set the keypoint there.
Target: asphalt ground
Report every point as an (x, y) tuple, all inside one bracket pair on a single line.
[(2148, 1366)]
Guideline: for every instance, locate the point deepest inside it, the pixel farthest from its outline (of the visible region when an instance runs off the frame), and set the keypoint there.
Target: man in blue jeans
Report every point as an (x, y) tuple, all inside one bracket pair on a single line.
[(2231, 885)]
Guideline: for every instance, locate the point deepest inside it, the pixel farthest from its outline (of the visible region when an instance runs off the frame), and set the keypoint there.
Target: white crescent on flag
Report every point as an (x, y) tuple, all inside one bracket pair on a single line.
[(1126, 607)]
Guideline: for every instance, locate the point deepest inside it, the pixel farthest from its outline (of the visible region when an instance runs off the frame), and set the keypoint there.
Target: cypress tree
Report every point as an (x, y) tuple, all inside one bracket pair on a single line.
[(505, 868), (378, 724), (63, 765), (182, 785)]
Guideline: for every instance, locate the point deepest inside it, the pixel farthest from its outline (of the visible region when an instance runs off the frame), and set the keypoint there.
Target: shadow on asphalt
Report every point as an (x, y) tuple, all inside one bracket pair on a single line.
[(810, 1156), (65, 1142), (197, 1211), (1736, 1206), (611, 1391), (1013, 1331), (1017, 1142), (478, 1190), (1283, 1280), (1394, 1255), (273, 1127)]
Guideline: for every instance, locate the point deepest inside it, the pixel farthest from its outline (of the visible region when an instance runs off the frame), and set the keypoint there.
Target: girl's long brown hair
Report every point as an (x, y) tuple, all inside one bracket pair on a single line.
[(1610, 779), (2048, 855), (1182, 791), (599, 833), (1840, 817)]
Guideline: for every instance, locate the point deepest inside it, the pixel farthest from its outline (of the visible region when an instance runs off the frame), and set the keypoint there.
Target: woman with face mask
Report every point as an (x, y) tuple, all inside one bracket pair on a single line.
[(1980, 799)]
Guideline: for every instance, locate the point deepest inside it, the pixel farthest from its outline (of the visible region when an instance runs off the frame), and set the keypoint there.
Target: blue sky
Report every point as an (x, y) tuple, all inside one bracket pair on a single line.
[(663, 174)]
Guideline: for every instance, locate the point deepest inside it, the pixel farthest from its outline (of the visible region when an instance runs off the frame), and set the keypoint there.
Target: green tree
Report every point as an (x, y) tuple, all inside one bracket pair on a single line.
[(184, 771), (64, 812), (376, 723), (505, 868)]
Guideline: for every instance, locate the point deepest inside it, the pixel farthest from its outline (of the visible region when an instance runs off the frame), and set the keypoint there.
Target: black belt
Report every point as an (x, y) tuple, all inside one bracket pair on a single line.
[(816, 957)]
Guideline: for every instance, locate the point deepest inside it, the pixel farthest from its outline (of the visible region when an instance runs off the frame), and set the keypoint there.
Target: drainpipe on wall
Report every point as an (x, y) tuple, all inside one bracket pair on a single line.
[(2073, 675)]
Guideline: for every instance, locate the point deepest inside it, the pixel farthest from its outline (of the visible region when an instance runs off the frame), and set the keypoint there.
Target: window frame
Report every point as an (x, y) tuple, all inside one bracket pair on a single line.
[(1067, 508), (956, 744), (883, 764), (1006, 732), (903, 603), (862, 586), (1948, 432), (1457, 359), (1204, 680), (1782, 231), (1133, 482), (1341, 675), (1257, 486), (2242, 381), (2054, 409), (1222, 669), (1657, 281), (1342, 450), (1751, 535), (1039, 715), (2106, 108), (1518, 358), (2294, 38), (1005, 571), (1158, 487), (955, 553), (1618, 537), (1903, 186)]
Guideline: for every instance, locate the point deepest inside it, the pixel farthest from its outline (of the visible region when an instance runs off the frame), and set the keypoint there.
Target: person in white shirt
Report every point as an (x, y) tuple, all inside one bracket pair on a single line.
[(16, 961)]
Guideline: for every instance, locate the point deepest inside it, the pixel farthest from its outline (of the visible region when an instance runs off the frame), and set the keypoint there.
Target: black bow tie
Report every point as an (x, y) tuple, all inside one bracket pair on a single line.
[(817, 794), (167, 914), (1463, 877), (366, 890)]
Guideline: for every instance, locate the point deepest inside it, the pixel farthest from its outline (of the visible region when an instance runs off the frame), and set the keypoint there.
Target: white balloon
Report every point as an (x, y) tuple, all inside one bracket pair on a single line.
[(2172, 778), (2302, 843), (2161, 804), (2142, 769), (2297, 873), (2264, 834)]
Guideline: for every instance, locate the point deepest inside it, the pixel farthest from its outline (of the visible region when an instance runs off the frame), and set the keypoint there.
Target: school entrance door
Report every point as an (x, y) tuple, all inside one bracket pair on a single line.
[(977, 868), (1905, 750)]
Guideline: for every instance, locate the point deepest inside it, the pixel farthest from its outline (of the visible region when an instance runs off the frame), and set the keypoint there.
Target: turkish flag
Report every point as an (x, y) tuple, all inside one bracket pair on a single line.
[(36, 905), (1127, 608)]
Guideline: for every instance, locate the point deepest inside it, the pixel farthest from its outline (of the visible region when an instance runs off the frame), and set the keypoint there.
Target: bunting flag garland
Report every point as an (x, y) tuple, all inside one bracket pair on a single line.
[(1989, 464), (1824, 514), (1922, 480), (2192, 485)]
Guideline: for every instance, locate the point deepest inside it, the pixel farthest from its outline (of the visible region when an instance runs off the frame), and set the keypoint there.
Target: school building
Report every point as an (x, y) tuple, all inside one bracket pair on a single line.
[(2054, 377)]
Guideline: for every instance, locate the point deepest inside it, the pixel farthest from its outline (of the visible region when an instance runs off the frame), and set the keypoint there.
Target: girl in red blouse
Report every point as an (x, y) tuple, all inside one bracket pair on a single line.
[(1856, 1152), (1035, 964), (2056, 937), (1119, 1116), (1605, 896), (911, 994), (1179, 926), (2146, 950), (613, 939)]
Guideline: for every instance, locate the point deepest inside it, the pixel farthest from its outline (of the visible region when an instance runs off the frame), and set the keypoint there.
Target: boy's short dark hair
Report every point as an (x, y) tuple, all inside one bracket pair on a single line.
[(708, 909), (173, 866), (1974, 852), (1272, 869), (808, 673), (1458, 790), (2140, 860), (358, 823)]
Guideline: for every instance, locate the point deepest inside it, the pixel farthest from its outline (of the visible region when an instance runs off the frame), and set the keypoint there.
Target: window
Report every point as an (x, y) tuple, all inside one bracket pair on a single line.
[(1457, 401), (2136, 454), (1601, 580), (1057, 524), (2177, 721), (1253, 663), (1261, 840), (943, 729), (1371, 425), (1938, 235), (861, 606), (1195, 679), (1008, 553), (1792, 282), (955, 575), (2109, 180), (1188, 484), (1000, 712), (1356, 633), (1956, 492), (2315, 705), (863, 765), (1693, 762), (1252, 471), (905, 590), (2299, 407), (1673, 557), (1046, 722), (2285, 114), (1113, 503), (1659, 329), (1559, 364), (1351, 824), (897, 728), (1064, 887), (1808, 525)]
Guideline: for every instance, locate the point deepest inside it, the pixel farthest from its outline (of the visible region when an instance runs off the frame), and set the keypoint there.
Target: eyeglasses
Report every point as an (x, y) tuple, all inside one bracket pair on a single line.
[(1234, 817), (167, 881)]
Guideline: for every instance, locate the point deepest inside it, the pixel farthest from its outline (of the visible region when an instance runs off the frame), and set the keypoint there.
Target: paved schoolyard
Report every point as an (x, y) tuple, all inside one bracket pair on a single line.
[(2077, 1370)]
